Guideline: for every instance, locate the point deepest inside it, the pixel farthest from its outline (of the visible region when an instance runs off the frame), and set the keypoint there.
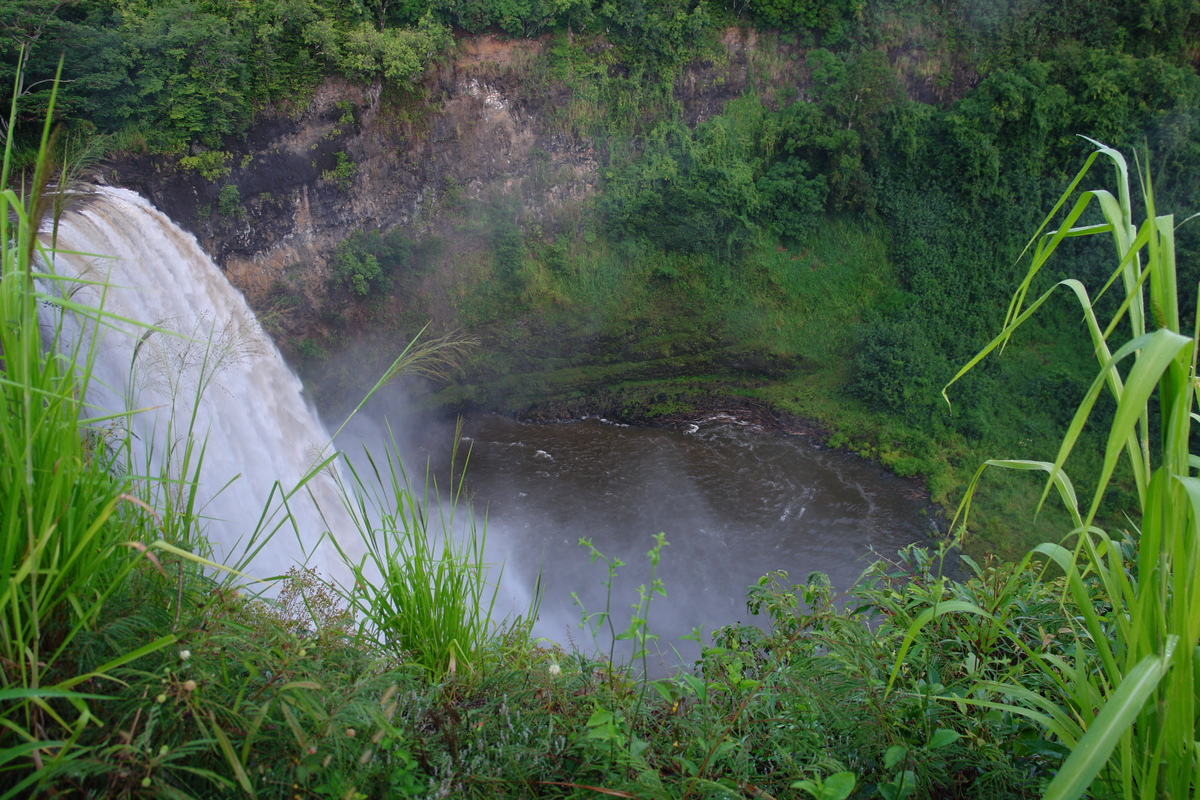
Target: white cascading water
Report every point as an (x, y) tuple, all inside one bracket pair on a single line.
[(258, 427)]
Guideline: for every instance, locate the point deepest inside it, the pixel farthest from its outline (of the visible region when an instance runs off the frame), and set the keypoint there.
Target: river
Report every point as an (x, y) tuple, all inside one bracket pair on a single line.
[(733, 502)]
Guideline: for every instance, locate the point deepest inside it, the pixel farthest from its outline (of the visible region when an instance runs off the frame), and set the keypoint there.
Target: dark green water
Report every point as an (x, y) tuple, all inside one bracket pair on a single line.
[(734, 504)]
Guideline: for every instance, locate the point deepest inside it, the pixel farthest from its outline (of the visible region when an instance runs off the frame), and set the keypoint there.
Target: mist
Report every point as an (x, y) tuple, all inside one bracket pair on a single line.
[(734, 503)]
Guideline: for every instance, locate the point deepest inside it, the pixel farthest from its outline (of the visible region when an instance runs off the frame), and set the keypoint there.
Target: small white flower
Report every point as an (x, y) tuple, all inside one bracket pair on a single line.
[(184, 655), (555, 670)]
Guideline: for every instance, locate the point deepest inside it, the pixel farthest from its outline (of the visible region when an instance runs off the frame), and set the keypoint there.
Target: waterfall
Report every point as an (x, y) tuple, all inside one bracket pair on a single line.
[(257, 427)]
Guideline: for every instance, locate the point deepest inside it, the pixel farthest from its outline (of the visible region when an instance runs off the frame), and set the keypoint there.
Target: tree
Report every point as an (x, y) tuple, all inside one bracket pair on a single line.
[(397, 54), (190, 68)]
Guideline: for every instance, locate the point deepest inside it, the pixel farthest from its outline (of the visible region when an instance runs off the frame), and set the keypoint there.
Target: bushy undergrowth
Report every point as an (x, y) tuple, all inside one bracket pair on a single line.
[(281, 699)]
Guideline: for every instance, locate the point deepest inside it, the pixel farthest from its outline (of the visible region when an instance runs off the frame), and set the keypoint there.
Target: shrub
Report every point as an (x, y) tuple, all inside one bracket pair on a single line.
[(342, 173), (229, 201), (211, 164)]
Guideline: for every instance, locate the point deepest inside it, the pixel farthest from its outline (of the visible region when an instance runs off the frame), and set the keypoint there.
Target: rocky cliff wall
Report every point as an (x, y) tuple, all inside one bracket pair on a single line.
[(483, 124), (490, 123)]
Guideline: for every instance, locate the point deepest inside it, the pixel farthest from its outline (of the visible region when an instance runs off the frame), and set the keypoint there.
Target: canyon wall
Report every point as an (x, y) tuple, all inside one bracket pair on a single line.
[(485, 123)]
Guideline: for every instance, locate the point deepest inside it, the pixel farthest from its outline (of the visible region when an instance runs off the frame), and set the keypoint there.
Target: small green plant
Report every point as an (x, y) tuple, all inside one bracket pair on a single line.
[(360, 271), (211, 164), (311, 351), (453, 194), (613, 726), (837, 786), (423, 590), (638, 629), (342, 174), (904, 783), (229, 201)]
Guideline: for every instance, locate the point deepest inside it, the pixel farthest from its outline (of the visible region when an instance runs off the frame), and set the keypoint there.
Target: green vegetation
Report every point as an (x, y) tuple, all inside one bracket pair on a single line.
[(1127, 711), (64, 543), (827, 243), (211, 164), (174, 73), (142, 674), (342, 173), (429, 609), (365, 260), (229, 201)]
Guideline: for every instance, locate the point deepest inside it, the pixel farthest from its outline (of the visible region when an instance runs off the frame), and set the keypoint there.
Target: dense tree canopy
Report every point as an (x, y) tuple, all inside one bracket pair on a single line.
[(197, 71)]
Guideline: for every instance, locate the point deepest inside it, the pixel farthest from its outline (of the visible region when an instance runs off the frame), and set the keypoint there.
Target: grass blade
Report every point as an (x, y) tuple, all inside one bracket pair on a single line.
[(1090, 753)]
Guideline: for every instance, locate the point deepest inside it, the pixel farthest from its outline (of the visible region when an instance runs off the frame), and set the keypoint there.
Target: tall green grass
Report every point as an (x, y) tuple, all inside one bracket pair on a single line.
[(423, 590), (1128, 712), (64, 545)]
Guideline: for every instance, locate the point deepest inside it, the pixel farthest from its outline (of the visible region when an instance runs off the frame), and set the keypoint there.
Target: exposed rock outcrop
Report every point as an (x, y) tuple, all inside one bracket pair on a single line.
[(357, 158)]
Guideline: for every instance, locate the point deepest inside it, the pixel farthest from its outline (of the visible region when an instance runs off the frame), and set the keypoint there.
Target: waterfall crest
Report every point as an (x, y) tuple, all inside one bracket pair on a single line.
[(259, 429)]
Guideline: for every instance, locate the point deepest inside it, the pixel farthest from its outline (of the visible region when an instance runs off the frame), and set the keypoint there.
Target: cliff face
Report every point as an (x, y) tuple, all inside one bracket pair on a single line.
[(489, 140), (491, 122), (357, 159)]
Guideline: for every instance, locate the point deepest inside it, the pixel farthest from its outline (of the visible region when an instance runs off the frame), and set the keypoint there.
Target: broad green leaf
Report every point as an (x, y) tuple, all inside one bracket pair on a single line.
[(1091, 752), (1157, 351), (943, 737), (838, 786)]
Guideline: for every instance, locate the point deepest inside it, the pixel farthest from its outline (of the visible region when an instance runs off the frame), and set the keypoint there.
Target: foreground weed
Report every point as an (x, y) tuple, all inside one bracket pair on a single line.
[(253, 700), (638, 629), (423, 590), (1126, 707), (63, 551)]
